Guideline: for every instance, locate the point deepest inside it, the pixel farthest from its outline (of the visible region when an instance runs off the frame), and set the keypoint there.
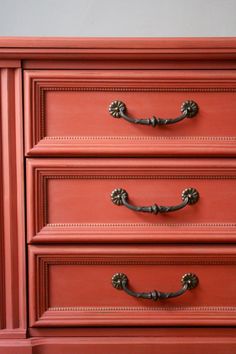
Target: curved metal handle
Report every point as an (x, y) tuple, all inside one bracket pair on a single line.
[(119, 196), (189, 281), (188, 109)]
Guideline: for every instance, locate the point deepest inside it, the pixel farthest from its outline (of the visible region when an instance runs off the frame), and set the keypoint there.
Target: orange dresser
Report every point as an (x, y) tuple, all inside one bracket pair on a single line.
[(118, 196)]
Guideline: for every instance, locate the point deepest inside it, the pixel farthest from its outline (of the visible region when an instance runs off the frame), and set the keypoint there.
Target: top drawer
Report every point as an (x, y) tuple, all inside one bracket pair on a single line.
[(67, 112)]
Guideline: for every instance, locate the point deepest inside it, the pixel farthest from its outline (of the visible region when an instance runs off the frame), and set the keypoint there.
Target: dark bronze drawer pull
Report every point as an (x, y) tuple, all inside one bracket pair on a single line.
[(120, 281), (188, 109), (119, 196)]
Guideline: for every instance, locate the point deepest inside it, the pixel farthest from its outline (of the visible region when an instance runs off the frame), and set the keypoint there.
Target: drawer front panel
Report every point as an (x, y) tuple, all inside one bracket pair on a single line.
[(71, 286), (67, 112), (69, 200)]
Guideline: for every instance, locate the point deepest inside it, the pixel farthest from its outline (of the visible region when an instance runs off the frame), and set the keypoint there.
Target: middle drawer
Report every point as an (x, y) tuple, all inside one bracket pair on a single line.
[(76, 200)]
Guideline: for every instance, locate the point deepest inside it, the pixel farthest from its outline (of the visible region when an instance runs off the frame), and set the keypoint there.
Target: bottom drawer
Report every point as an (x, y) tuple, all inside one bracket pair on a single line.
[(72, 285)]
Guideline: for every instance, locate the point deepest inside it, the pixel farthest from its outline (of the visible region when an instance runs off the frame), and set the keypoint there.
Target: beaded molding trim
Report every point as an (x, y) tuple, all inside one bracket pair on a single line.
[(144, 309), (43, 90), (43, 206), (43, 262)]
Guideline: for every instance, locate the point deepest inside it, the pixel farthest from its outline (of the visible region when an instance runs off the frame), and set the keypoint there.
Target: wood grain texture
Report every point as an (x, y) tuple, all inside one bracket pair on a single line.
[(71, 300), (71, 286), (69, 200), (13, 291), (66, 112)]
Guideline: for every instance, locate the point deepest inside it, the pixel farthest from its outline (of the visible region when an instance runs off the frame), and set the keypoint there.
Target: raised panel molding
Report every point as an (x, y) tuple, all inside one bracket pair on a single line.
[(39, 83), (42, 258), (12, 259), (41, 171), (36, 289)]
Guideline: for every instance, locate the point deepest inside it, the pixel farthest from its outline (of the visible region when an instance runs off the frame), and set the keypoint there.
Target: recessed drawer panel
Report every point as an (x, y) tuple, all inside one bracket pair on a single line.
[(77, 286), (67, 112), (78, 200)]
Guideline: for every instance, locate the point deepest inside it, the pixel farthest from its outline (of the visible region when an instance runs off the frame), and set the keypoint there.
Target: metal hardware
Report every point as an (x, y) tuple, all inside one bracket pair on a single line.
[(119, 196), (189, 109), (189, 281)]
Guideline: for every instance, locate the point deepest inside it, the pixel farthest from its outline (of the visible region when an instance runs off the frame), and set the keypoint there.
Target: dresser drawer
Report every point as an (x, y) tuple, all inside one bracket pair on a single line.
[(74, 286), (67, 112), (69, 200)]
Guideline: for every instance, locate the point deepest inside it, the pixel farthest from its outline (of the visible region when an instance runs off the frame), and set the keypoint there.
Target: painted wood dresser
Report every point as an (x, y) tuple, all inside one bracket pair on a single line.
[(118, 177)]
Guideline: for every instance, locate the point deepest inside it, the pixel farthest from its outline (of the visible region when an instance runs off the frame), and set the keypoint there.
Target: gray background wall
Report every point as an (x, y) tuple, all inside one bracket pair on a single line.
[(161, 18)]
